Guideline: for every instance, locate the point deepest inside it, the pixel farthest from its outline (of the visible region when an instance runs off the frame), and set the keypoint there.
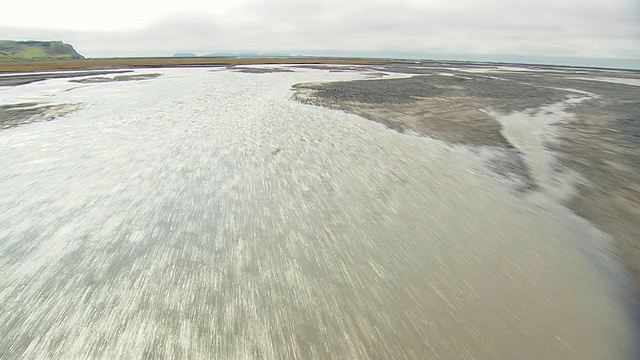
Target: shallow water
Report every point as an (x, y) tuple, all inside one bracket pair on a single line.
[(207, 215)]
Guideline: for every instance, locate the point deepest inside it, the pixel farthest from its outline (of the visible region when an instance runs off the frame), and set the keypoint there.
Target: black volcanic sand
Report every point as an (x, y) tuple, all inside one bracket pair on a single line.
[(434, 105), (449, 108), (119, 78), (23, 79), (248, 70), (338, 68), (601, 143), (25, 113)]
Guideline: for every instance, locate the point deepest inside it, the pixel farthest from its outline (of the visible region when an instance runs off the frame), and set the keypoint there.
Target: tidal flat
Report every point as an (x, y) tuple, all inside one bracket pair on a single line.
[(259, 214)]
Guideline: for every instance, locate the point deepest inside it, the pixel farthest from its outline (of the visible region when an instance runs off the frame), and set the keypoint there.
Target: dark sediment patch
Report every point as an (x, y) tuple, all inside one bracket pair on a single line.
[(449, 108), (23, 79), (509, 164), (602, 142), (330, 68), (481, 91), (262, 70), (446, 107), (119, 78), (409, 69), (25, 113)]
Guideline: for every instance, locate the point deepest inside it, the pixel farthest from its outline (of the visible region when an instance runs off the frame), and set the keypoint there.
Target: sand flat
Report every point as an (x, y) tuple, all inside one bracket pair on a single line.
[(209, 215)]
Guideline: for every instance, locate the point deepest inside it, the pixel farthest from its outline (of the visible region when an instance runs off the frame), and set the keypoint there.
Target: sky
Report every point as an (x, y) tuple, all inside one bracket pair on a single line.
[(556, 31)]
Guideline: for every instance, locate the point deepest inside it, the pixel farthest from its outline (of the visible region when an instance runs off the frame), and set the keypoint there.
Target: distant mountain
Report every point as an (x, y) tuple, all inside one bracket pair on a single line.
[(184, 55), (36, 50)]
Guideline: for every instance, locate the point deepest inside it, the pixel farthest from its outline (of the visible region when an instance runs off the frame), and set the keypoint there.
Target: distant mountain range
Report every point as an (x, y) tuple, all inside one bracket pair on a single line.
[(37, 50), (184, 55)]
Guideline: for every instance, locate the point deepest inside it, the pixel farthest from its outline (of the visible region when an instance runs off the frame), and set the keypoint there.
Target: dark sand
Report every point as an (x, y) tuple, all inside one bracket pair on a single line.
[(24, 79), (25, 113), (250, 70), (449, 101), (119, 78)]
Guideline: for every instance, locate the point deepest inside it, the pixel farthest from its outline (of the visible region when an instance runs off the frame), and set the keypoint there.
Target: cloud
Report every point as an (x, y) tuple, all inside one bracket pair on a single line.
[(588, 28)]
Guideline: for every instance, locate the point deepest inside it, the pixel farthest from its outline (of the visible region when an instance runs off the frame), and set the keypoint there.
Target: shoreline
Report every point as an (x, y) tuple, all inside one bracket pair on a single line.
[(141, 63)]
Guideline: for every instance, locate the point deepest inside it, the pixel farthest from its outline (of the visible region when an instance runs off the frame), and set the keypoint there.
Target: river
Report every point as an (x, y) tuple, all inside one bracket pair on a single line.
[(205, 214)]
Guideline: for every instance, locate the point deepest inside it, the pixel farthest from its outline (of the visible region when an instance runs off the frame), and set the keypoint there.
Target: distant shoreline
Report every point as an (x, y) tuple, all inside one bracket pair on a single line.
[(133, 63), (159, 62)]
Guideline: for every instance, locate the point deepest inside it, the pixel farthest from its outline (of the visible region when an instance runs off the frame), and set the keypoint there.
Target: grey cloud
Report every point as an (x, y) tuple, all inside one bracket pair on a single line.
[(592, 28)]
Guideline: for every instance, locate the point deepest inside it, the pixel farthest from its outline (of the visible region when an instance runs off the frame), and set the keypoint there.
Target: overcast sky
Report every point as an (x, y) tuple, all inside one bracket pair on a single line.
[(474, 29)]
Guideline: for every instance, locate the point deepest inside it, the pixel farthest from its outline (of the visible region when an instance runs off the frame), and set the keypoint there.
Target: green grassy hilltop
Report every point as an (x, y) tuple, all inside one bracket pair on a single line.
[(36, 50)]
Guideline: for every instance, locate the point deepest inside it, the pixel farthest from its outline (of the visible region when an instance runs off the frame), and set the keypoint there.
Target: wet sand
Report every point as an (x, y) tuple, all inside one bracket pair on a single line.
[(28, 78), (591, 153), (29, 112), (208, 215), (118, 78)]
